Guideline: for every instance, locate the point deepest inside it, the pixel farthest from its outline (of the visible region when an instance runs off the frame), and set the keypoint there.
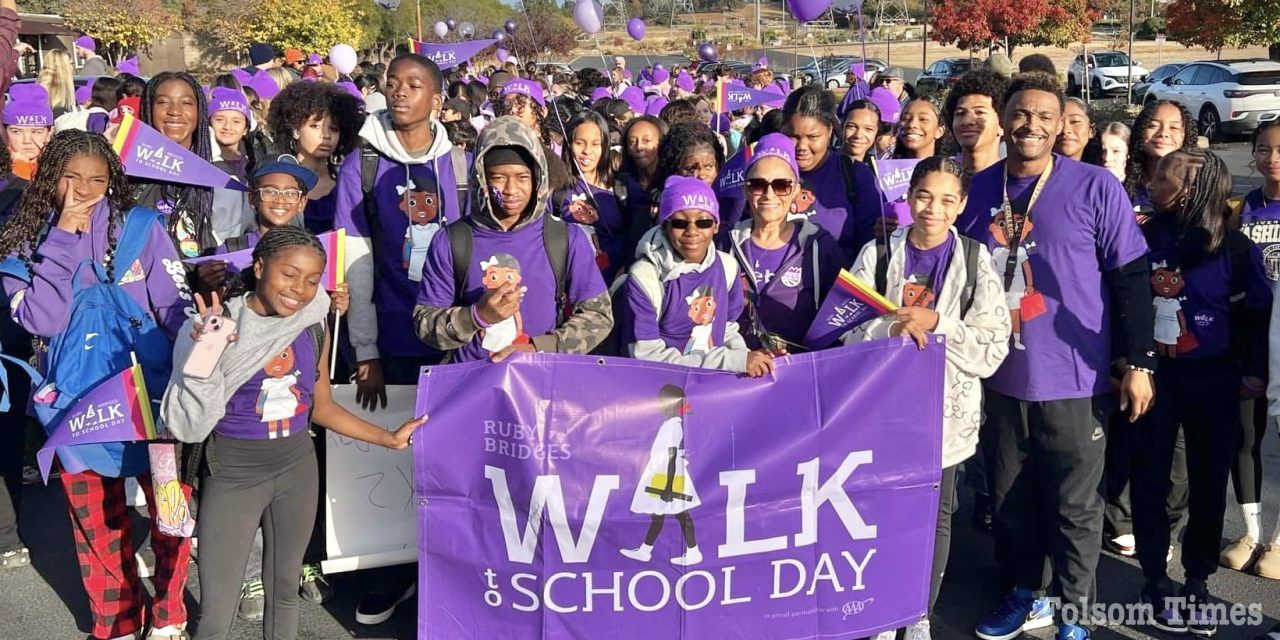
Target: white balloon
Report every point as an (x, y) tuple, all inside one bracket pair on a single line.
[(343, 58)]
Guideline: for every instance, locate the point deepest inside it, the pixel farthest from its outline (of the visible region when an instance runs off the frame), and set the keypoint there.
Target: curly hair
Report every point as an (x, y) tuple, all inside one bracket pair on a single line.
[(679, 110), (1135, 176), (461, 134), (272, 242), (604, 168), (299, 102), (815, 102), (980, 82), (22, 230), (198, 200), (681, 141), (131, 86), (511, 104)]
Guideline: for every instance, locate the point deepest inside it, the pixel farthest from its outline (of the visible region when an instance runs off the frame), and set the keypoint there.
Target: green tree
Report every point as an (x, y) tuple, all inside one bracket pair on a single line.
[(121, 27)]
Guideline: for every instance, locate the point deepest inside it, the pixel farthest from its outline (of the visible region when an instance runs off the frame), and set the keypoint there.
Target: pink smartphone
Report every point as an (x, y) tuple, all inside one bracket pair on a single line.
[(215, 335)]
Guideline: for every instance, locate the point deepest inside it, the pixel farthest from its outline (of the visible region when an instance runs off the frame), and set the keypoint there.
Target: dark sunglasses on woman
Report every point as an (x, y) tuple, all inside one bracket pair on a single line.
[(780, 186)]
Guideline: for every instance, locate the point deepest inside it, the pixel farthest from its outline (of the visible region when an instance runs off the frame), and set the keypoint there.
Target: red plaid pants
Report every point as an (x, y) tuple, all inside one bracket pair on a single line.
[(104, 548)]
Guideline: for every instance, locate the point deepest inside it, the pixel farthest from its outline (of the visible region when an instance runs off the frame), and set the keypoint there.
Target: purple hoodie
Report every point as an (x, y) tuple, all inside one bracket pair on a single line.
[(787, 294)]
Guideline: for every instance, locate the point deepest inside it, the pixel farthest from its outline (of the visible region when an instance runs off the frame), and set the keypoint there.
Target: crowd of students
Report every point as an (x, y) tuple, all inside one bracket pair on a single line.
[(1107, 320)]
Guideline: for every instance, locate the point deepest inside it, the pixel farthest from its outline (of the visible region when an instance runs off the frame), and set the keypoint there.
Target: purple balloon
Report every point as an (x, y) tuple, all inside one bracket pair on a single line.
[(806, 10), (588, 14), (510, 26), (451, 23), (502, 55), (441, 29), (499, 35), (707, 51), (635, 29)]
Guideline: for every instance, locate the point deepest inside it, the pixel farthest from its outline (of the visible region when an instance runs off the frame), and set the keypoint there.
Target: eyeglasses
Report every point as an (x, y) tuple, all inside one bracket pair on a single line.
[(780, 186), (286, 196), (680, 224)]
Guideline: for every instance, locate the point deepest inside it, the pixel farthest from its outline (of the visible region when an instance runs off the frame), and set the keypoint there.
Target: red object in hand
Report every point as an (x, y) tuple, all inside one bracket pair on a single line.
[(1031, 306), (1187, 342)]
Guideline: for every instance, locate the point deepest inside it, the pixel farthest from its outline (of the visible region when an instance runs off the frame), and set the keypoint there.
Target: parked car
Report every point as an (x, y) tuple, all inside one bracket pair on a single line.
[(830, 71), (1109, 73), (941, 75), (742, 69), (1162, 72), (1224, 96)]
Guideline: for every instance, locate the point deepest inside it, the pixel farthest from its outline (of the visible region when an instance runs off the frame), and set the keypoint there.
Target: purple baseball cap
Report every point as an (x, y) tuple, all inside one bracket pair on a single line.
[(890, 108), (28, 106), (681, 193), (634, 96), (776, 145), (227, 99), (527, 88), (314, 59), (86, 42)]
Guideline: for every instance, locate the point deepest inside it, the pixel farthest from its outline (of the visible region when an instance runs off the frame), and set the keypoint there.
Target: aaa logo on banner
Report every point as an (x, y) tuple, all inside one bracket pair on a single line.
[(574, 497)]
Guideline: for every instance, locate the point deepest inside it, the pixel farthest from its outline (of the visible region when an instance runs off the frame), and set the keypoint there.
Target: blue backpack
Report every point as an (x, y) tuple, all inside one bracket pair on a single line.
[(105, 329)]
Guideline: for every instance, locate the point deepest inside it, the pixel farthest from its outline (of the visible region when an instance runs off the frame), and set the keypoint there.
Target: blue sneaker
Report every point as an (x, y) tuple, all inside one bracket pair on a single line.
[(1071, 632), (1018, 612)]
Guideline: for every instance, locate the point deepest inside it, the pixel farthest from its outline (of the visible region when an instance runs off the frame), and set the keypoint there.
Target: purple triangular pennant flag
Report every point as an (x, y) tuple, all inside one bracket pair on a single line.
[(894, 177), (740, 96), (117, 410), (845, 307), (451, 54), (148, 154), (733, 175)]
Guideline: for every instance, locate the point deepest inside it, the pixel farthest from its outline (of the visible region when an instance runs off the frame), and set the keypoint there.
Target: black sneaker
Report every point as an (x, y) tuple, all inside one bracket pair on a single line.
[(15, 558), (1200, 615), (1165, 616), (312, 586), (983, 514), (252, 601), (377, 606)]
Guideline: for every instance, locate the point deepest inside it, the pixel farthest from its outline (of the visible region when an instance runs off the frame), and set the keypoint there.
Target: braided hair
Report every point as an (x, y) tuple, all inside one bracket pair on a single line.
[(1136, 175), (195, 199), (273, 242), (1202, 212)]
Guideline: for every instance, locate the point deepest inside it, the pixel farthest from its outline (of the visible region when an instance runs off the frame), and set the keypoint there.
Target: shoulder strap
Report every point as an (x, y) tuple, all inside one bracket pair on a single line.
[(555, 240), (971, 257), (317, 339), (461, 236), (850, 182), (558, 197), (368, 171), (1239, 253), (458, 158), (133, 237), (882, 269), (237, 243)]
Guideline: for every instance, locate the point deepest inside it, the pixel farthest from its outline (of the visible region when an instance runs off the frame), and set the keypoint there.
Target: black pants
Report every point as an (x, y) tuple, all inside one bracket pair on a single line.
[(1202, 396), (942, 531), (1121, 445), (1246, 468), (13, 442), (267, 483), (1046, 461)]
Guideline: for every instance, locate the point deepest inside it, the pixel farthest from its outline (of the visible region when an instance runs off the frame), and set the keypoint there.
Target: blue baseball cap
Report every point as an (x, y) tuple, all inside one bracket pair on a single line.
[(288, 165)]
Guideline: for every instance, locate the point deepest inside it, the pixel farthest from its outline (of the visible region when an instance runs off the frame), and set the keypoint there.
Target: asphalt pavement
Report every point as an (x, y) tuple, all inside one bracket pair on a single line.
[(47, 600)]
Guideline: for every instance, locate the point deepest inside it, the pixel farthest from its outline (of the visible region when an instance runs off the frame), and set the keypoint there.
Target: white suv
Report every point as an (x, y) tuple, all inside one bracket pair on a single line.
[(1109, 73), (1224, 96)]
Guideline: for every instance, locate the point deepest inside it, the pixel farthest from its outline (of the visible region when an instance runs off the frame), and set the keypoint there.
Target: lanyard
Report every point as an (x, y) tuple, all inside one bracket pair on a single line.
[(1013, 224)]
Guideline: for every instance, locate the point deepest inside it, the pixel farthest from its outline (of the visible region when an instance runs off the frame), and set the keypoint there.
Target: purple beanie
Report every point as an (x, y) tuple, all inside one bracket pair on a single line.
[(776, 145), (681, 193), (601, 93), (525, 87), (684, 81), (656, 103), (227, 99), (85, 42), (634, 96), (351, 88), (28, 106), (84, 94), (660, 75), (314, 59), (890, 108)]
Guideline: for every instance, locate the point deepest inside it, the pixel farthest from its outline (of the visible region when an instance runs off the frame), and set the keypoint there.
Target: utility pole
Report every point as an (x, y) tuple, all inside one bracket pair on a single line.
[(1129, 79), (759, 37), (418, 4)]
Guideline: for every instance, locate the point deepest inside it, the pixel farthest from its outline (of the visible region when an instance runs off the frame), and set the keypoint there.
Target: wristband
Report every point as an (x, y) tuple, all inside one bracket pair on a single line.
[(1134, 367), (475, 317)]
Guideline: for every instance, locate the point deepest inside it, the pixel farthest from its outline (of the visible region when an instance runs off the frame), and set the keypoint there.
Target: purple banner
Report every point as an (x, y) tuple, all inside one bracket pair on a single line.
[(582, 497), (452, 54), (739, 96), (734, 173), (148, 154), (895, 177), (118, 410)]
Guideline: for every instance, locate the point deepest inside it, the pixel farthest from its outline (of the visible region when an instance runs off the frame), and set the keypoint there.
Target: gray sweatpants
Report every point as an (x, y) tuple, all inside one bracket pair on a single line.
[(272, 483)]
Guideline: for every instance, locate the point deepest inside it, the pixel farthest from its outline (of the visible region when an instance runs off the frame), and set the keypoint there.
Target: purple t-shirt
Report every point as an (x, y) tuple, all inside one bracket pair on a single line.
[(274, 403), (597, 211), (824, 198), (518, 256), (318, 216), (924, 272), (787, 302), (1082, 226), (1262, 226), (695, 308), (765, 263), (1255, 200)]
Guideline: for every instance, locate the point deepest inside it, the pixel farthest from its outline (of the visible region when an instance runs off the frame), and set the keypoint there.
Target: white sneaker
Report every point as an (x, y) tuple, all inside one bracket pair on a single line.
[(891, 634), (643, 553), (919, 631), (691, 557)]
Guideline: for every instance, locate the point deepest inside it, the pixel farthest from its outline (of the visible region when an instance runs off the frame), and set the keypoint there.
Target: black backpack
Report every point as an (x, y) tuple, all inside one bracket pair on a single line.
[(971, 256), (555, 241)]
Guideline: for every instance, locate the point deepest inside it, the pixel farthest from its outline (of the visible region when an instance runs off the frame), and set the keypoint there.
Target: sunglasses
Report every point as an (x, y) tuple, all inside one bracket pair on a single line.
[(680, 224), (780, 186)]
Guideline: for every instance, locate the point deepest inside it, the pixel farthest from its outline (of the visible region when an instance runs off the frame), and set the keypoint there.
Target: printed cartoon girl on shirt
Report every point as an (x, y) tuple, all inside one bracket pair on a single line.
[(420, 203), (702, 310), (280, 400), (1172, 334), (582, 211), (1022, 285), (498, 270), (665, 487), (916, 292)]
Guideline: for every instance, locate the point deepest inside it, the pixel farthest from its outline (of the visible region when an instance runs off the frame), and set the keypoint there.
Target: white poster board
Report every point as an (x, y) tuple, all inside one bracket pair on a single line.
[(370, 516)]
